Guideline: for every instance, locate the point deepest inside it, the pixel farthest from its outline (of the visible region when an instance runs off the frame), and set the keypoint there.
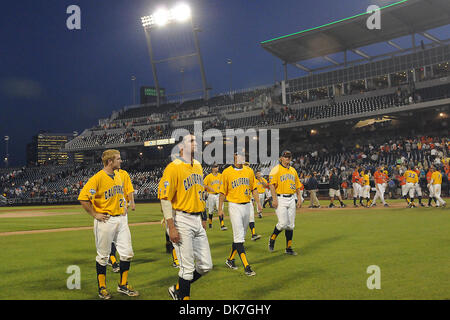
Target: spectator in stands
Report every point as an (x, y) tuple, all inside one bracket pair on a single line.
[(312, 186)]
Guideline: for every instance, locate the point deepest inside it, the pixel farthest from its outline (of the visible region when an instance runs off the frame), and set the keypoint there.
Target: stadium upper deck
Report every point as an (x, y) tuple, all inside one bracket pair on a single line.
[(407, 79)]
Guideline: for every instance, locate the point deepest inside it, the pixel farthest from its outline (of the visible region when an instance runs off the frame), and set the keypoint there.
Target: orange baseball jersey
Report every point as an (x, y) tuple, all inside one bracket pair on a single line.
[(385, 176), (359, 180), (213, 181), (429, 173), (105, 192), (379, 177), (238, 184), (355, 176), (284, 179), (402, 180), (182, 185)]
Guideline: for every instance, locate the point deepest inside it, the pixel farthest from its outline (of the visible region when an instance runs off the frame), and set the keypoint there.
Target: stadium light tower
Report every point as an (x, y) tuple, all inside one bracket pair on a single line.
[(230, 63), (133, 81), (163, 17)]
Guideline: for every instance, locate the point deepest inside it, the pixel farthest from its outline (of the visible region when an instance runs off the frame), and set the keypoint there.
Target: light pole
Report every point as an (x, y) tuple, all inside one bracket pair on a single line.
[(182, 84), (181, 13), (7, 153), (230, 63), (133, 79)]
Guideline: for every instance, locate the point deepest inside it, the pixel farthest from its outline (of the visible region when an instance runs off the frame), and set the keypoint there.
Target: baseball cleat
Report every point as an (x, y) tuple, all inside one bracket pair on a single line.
[(173, 293), (230, 264), (386, 205), (343, 205), (210, 225), (271, 245), (290, 252), (128, 290), (260, 215), (421, 204), (115, 267), (104, 293), (249, 272), (256, 237), (223, 228)]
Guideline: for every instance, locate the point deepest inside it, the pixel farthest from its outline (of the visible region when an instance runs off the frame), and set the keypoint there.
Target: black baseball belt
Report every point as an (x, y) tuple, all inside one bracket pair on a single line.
[(192, 213)]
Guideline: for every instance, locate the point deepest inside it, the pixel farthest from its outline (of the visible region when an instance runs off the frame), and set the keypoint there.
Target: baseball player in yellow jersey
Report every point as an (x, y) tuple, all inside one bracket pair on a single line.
[(238, 186), (182, 191), (412, 178), (283, 183), (212, 184), (103, 198), (129, 198), (365, 194), (435, 184), (261, 185)]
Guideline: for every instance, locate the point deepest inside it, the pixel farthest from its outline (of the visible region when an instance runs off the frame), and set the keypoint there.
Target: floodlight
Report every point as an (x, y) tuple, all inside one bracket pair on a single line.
[(181, 12), (161, 17), (147, 21)]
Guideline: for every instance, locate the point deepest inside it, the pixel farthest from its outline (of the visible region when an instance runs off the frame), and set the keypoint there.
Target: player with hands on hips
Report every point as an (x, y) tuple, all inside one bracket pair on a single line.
[(103, 198)]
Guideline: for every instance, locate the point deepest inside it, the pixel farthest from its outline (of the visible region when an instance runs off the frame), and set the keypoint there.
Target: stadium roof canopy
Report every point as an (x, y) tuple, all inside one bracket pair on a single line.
[(402, 18)]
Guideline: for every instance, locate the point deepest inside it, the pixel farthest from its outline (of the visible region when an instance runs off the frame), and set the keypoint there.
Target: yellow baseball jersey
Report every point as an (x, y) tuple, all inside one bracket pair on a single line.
[(284, 179), (213, 181), (238, 184), (411, 176), (260, 185), (436, 177), (106, 193), (366, 179), (182, 185), (127, 185)]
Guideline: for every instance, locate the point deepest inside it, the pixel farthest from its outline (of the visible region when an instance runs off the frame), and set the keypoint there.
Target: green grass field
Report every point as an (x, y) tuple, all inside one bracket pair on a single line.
[(335, 246)]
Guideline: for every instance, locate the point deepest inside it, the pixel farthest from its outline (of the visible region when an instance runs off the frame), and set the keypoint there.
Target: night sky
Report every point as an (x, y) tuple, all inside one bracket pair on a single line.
[(62, 80)]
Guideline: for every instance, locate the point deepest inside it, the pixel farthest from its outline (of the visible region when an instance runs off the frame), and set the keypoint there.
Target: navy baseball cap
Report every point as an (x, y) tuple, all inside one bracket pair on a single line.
[(286, 153)]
